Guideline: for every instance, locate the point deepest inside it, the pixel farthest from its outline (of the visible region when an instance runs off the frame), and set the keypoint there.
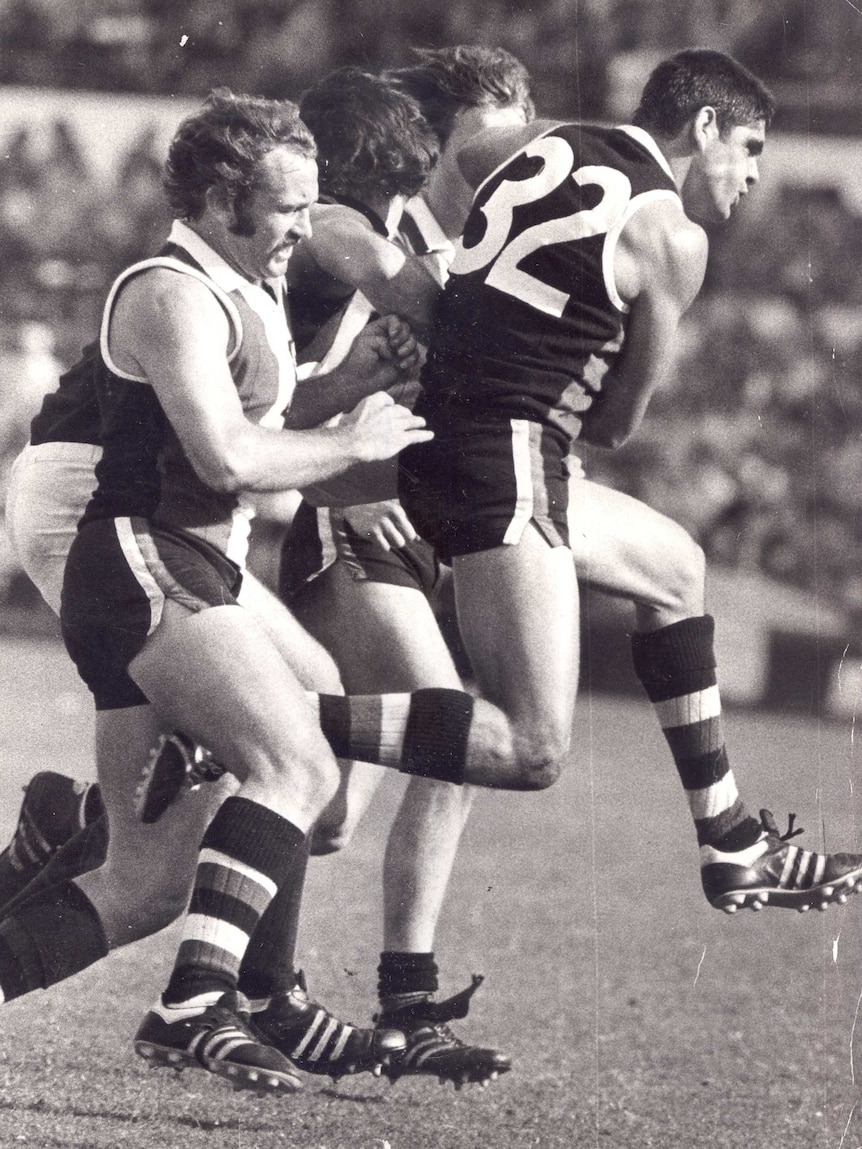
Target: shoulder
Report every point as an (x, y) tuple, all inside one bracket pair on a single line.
[(163, 302), (662, 248), (333, 219)]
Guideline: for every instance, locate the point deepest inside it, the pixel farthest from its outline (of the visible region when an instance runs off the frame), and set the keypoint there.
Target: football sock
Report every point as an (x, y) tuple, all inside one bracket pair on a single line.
[(52, 936), (423, 733), (268, 965), (84, 852), (405, 978), (677, 668), (247, 853)]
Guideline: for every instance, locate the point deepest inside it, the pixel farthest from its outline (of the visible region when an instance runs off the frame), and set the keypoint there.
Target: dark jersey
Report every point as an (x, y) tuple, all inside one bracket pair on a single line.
[(310, 309), (530, 319), (71, 413)]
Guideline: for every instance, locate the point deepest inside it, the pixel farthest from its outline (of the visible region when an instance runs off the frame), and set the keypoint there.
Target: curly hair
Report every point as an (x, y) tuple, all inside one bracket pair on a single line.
[(371, 138), (695, 78), (221, 146), (446, 80)]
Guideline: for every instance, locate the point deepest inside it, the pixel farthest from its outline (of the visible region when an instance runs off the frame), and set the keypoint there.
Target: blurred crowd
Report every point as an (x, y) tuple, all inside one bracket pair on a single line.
[(754, 446), (278, 47)]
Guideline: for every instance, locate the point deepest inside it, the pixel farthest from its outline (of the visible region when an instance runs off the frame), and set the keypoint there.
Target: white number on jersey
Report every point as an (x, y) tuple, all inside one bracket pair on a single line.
[(504, 273)]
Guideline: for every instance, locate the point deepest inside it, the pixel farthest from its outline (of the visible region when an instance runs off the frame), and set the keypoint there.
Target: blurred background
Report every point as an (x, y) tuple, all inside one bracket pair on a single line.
[(755, 444)]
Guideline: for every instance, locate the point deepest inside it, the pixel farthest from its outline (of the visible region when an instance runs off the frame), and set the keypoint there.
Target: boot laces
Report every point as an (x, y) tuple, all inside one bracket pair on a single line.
[(767, 820)]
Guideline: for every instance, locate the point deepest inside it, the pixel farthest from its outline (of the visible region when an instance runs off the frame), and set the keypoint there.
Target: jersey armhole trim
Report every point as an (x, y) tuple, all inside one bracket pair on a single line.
[(173, 265), (613, 235)]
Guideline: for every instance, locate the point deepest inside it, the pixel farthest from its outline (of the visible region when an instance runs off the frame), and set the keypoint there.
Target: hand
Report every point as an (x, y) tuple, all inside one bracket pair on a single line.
[(378, 428), (384, 522), (384, 353)]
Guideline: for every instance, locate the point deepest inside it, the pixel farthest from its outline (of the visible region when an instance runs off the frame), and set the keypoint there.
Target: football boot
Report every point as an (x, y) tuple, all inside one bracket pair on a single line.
[(432, 1047), (774, 872), (318, 1042), (217, 1038)]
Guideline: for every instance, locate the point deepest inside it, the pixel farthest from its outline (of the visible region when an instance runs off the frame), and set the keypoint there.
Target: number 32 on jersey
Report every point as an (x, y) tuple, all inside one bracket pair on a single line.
[(504, 254)]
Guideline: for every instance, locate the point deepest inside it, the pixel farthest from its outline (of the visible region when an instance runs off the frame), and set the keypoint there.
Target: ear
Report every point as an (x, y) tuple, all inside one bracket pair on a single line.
[(704, 128)]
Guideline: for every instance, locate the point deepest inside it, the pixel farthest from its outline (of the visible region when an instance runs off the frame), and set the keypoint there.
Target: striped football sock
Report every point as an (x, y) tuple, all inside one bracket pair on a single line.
[(423, 733), (247, 852), (676, 666)]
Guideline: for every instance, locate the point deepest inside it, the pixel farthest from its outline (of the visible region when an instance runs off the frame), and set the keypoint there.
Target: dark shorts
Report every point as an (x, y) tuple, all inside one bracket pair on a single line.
[(477, 485), (118, 576), (318, 537)]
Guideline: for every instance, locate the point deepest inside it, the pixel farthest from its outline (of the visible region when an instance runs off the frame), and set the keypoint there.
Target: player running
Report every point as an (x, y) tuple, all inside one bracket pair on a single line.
[(579, 258), (195, 361)]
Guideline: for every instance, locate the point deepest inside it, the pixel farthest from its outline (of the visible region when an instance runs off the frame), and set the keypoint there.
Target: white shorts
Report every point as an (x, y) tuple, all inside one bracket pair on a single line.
[(49, 488)]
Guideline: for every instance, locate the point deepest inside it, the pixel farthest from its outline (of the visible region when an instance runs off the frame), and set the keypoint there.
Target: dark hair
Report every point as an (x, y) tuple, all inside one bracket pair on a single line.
[(222, 145), (371, 137), (446, 80), (679, 86)]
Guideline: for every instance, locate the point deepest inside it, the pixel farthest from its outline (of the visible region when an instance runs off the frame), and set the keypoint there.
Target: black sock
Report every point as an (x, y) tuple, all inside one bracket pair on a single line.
[(268, 967), (404, 977), (50, 937)]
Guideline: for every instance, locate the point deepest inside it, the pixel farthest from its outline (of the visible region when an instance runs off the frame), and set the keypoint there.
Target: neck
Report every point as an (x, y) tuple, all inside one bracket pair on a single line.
[(213, 236)]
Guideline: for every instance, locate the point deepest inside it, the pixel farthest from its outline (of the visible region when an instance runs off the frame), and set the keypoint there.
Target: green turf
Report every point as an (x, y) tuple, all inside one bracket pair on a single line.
[(637, 1016)]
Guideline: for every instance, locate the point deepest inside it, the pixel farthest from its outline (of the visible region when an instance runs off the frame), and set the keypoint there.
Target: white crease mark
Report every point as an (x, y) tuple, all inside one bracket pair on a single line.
[(700, 963), (852, 1035), (835, 948), (847, 1126)]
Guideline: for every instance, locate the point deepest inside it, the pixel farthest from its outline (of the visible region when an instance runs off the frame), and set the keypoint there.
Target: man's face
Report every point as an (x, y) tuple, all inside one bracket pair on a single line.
[(277, 214), (723, 170)]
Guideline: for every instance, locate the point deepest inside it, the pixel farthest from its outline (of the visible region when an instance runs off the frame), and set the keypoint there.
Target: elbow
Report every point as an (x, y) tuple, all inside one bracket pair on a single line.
[(227, 474)]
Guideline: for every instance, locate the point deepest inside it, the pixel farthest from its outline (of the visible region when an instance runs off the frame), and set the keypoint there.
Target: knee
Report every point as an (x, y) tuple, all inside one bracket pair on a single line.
[(336, 827), (686, 575), (541, 759), (304, 769)]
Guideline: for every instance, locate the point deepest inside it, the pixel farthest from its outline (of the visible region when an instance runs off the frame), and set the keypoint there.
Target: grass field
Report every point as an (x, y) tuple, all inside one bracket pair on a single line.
[(637, 1016)]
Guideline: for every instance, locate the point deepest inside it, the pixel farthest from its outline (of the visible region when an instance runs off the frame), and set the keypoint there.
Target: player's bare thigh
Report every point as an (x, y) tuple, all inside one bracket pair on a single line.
[(518, 615), (625, 548), (218, 676)]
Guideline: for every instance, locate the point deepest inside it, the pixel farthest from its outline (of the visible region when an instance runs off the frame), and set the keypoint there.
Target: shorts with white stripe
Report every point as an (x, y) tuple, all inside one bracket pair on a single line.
[(477, 485), (118, 575), (318, 537)]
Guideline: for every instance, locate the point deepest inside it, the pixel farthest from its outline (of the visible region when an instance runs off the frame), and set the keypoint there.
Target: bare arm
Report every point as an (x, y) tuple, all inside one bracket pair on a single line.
[(349, 251), (659, 268), (383, 355), (169, 328)]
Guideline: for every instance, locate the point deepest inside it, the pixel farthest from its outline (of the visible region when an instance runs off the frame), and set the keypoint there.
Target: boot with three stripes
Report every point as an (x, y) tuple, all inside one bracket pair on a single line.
[(433, 1049), (316, 1041), (218, 1038), (774, 873)]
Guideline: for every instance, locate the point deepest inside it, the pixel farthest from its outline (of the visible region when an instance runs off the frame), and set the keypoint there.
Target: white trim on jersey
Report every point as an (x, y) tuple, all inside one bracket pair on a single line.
[(355, 318), (646, 141), (613, 235)]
